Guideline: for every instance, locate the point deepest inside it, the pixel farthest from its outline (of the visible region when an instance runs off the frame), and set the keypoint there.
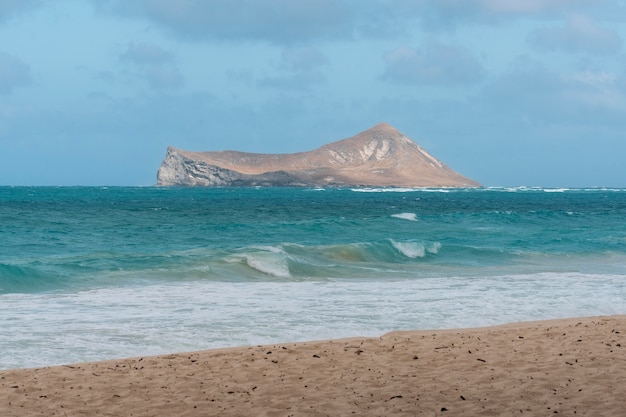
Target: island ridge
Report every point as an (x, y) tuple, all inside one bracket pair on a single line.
[(381, 156)]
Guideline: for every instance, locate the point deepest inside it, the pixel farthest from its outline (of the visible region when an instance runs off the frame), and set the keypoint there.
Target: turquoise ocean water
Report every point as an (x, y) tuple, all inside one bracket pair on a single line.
[(90, 273)]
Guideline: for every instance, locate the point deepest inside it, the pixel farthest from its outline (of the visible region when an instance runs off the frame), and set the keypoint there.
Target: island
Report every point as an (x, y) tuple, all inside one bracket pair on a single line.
[(381, 156)]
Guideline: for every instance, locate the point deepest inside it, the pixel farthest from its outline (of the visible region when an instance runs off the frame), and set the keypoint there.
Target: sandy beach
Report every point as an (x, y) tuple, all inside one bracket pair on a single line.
[(566, 367)]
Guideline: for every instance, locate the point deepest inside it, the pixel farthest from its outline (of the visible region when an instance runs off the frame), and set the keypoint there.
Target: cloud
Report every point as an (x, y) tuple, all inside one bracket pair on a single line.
[(528, 7), (147, 54), (288, 22), (276, 21), (433, 63), (599, 90), (9, 8), (297, 81), (299, 69), (554, 127), (152, 64), (13, 73), (543, 95), (530, 125), (163, 77), (580, 34), (438, 14), (303, 58)]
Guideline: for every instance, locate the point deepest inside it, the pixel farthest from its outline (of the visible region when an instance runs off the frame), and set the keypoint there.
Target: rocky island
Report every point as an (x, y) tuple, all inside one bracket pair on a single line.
[(381, 156)]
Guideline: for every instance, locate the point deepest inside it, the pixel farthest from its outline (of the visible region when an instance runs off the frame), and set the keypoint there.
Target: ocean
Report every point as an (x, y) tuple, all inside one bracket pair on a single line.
[(92, 273)]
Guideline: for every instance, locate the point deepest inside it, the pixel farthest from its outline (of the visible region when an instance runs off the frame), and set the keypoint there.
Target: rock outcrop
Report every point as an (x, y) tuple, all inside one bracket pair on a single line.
[(378, 157)]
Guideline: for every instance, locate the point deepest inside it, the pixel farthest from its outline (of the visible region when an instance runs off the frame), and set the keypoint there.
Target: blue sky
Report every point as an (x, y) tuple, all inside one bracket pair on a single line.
[(506, 92)]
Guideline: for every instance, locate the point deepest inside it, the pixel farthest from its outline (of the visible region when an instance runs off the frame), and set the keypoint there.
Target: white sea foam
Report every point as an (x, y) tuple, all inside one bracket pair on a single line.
[(273, 249), (268, 263), (436, 190), (410, 249), (513, 189), (55, 328), (406, 216), (606, 189), (269, 260), (415, 249), (433, 247), (550, 189), (507, 212), (385, 190)]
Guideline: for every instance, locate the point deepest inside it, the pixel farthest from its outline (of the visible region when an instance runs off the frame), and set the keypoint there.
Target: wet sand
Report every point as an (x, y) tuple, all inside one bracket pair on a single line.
[(558, 367)]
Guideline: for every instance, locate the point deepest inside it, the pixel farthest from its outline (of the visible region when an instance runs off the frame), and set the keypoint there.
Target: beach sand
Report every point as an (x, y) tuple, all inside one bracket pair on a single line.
[(565, 367)]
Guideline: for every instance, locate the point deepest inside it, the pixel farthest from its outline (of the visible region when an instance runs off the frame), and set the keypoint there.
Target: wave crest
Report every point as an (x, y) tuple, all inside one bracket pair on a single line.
[(415, 249), (268, 260), (406, 216)]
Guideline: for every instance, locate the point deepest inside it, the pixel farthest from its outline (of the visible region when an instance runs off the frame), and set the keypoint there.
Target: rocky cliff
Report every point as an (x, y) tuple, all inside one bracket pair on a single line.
[(378, 157)]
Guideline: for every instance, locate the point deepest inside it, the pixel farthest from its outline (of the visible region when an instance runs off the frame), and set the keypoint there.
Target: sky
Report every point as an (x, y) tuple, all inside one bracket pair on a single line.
[(506, 92)]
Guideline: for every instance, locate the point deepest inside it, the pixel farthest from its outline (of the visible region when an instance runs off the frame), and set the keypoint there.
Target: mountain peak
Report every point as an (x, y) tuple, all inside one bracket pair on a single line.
[(384, 128)]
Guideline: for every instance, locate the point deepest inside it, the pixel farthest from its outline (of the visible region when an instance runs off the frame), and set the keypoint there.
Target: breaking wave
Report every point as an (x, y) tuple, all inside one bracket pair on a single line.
[(268, 260), (414, 249), (406, 216), (287, 261)]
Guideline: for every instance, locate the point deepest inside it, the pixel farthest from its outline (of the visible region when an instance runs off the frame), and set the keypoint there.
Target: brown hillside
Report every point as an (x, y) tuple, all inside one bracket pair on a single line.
[(380, 156)]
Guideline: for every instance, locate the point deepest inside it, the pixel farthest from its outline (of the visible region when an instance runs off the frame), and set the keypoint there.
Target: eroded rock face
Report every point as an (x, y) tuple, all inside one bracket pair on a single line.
[(378, 157)]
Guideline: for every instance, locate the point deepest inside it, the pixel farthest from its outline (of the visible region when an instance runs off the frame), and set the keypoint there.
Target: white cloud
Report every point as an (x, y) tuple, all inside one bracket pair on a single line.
[(13, 73), (433, 63), (579, 34)]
